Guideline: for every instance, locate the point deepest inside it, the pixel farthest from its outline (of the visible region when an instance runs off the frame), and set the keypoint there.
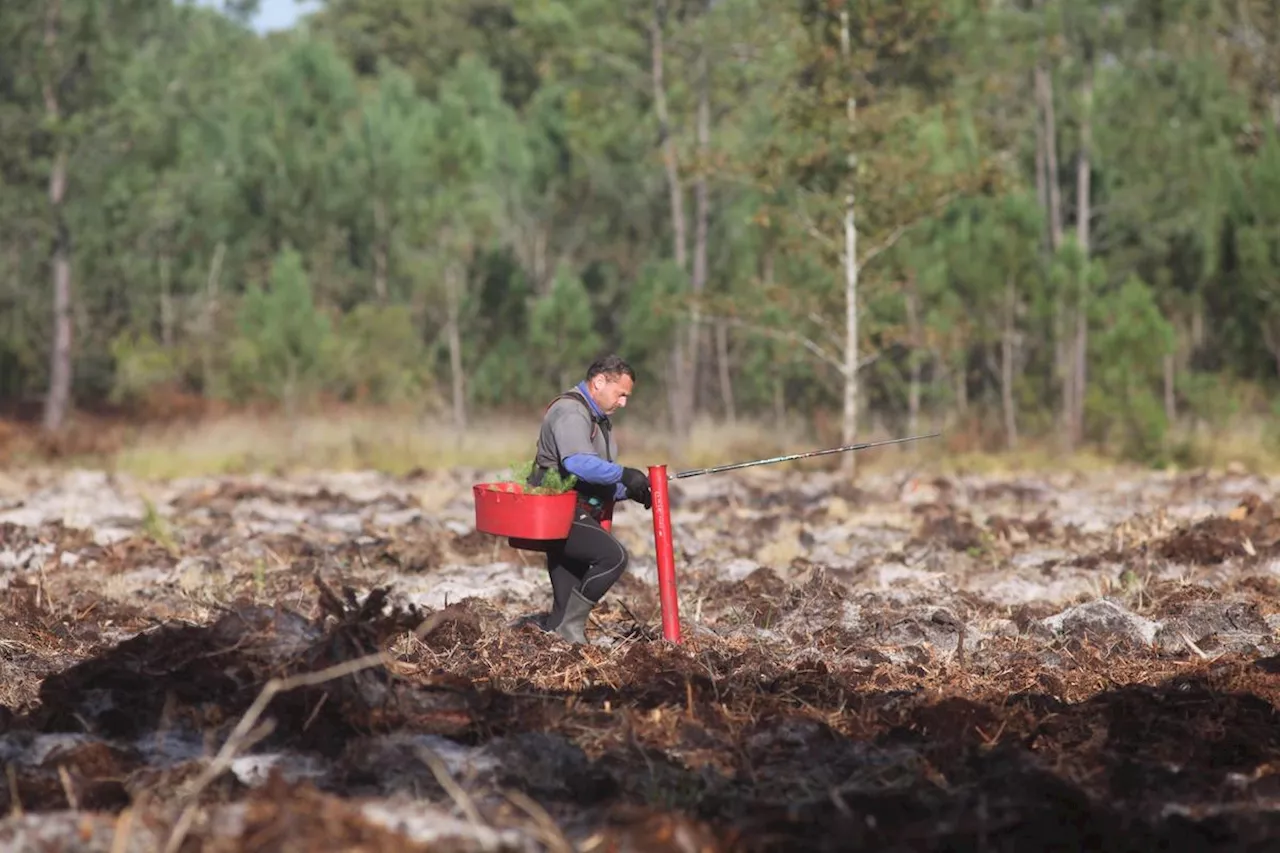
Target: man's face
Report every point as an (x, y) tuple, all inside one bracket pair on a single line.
[(610, 392)]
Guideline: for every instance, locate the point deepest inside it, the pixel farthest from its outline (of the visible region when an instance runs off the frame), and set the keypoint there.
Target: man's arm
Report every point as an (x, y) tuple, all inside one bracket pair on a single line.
[(571, 430), (590, 468), (593, 469)]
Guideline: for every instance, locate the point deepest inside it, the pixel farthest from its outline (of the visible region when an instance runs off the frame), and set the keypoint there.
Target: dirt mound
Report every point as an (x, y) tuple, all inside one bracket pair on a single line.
[(204, 676), (1252, 529)]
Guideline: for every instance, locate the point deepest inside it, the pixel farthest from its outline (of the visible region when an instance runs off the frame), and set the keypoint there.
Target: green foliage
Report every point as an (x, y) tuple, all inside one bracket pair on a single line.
[(500, 377), (353, 210), (553, 483), (283, 346), (158, 529), (377, 356), (651, 318), (1127, 366), (141, 365), (561, 331), (1209, 399)]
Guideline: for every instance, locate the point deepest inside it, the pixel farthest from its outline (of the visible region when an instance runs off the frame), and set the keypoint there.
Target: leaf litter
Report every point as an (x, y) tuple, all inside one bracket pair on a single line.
[(960, 663)]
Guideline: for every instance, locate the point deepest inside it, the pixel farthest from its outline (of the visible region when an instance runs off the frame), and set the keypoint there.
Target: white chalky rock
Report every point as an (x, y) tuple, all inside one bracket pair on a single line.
[(1102, 619)]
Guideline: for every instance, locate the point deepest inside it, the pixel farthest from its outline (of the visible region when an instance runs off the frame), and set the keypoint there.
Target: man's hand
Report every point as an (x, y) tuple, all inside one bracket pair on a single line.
[(637, 485)]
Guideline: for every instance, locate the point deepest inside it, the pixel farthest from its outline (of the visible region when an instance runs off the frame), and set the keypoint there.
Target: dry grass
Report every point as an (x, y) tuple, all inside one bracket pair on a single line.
[(1251, 442), (400, 441), (391, 442)]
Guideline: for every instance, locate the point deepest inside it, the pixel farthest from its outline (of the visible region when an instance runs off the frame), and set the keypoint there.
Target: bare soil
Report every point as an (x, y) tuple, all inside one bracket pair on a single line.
[(1044, 663)]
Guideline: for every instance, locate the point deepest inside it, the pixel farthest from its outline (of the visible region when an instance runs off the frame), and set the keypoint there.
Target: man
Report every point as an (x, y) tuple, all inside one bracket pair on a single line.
[(576, 438)]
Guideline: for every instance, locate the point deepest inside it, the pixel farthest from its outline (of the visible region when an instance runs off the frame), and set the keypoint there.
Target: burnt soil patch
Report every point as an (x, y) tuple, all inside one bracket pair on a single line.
[(737, 745)]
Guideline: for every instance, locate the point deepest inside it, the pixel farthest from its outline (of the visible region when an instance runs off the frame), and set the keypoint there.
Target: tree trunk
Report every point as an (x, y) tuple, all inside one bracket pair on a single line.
[(1061, 338), (669, 158), (1083, 212), (1197, 322), (1271, 337), (726, 377), (1066, 374), (1007, 344), (453, 299), (11, 375), (1048, 127), (541, 276), (208, 320), (913, 361), (166, 304), (779, 404), (1044, 95), (380, 250), (1042, 178), (702, 213), (962, 381), (291, 389), (1170, 401), (767, 275), (59, 398), (849, 414), (677, 373)]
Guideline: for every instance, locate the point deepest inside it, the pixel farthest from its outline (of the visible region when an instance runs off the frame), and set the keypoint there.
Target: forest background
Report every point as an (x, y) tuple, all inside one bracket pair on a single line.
[(388, 235)]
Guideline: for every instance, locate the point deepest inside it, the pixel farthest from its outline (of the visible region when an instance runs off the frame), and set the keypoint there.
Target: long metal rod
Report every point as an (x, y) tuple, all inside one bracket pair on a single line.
[(698, 472)]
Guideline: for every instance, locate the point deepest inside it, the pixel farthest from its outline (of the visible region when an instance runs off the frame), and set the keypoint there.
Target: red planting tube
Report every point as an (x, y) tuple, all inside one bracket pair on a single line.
[(666, 556)]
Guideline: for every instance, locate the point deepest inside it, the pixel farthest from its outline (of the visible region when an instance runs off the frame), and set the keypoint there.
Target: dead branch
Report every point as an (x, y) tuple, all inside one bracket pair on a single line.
[(245, 733), (451, 787), (551, 834)]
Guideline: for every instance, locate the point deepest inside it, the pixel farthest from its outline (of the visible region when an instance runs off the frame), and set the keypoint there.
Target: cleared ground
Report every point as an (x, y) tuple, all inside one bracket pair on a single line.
[(1073, 662)]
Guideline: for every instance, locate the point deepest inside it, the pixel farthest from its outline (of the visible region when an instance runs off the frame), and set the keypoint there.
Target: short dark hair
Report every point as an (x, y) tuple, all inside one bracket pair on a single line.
[(611, 366)]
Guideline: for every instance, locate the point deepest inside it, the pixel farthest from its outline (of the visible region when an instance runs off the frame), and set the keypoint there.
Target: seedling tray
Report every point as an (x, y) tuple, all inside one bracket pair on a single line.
[(505, 509)]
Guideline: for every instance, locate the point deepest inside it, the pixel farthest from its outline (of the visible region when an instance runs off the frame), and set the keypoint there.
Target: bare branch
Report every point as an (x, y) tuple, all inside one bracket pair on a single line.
[(790, 336), (463, 800), (826, 329), (550, 832), (815, 232), (781, 335), (899, 232)]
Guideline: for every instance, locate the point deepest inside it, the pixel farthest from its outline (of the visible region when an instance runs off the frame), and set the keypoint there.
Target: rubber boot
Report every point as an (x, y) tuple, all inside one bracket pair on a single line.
[(573, 626)]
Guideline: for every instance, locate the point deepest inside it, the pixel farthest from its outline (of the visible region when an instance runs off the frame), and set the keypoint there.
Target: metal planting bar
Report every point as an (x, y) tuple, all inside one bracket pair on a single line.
[(698, 472)]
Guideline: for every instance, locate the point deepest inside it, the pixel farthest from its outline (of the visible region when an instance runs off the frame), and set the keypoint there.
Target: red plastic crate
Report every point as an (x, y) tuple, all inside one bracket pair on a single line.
[(503, 509)]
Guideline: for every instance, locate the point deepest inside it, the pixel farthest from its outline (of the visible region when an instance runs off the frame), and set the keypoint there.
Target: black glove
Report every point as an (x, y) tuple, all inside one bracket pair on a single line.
[(636, 483)]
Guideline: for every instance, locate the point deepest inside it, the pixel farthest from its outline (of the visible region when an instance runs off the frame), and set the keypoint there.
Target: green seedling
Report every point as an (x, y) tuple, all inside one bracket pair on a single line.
[(157, 528), (553, 483)]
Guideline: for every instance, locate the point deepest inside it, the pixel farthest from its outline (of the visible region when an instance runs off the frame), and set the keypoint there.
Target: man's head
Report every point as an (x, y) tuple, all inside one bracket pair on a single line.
[(609, 381)]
